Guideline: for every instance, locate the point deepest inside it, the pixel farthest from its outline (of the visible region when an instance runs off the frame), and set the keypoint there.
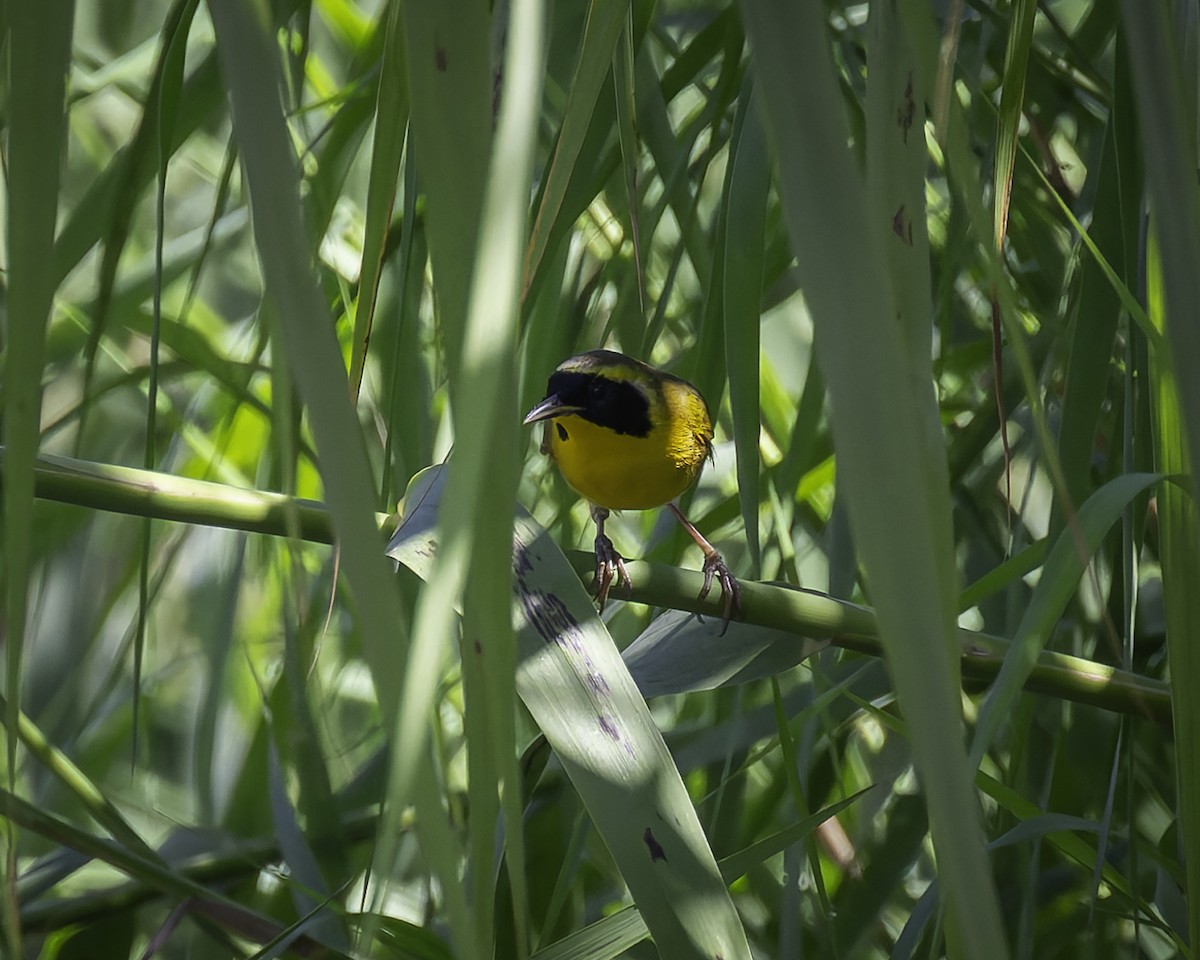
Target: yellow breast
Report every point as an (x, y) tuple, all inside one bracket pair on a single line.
[(624, 472)]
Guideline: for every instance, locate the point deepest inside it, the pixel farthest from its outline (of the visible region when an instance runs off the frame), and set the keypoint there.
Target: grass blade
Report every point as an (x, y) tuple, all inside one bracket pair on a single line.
[(600, 34), (1167, 122), (1060, 577), (391, 120), (878, 425), (571, 679), (252, 74), (39, 49), (745, 235)]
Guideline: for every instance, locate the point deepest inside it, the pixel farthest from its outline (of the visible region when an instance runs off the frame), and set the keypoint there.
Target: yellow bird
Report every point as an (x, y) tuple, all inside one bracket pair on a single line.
[(627, 436)]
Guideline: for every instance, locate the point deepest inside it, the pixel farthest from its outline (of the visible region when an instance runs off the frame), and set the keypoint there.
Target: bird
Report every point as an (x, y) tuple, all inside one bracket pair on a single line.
[(628, 436)]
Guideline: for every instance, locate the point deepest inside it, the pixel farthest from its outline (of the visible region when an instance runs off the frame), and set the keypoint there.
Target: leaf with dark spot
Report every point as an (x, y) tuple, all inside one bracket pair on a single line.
[(610, 728), (902, 226), (656, 850), (907, 110)]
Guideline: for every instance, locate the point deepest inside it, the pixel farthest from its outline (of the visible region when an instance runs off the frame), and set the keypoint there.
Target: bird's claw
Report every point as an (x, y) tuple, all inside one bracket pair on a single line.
[(610, 565), (731, 592)]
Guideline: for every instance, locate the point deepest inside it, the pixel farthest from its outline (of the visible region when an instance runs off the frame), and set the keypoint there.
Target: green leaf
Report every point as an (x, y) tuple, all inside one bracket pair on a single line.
[(39, 51), (745, 237), (596, 46), (1167, 122), (1012, 105), (898, 501), (572, 680), (391, 122), (680, 653), (1065, 564)]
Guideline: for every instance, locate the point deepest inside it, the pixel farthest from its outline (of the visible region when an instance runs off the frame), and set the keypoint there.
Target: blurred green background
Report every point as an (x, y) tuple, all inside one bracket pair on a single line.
[(266, 263)]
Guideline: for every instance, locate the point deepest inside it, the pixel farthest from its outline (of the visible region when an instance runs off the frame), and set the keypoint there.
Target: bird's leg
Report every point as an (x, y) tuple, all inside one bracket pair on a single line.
[(610, 565), (714, 568)]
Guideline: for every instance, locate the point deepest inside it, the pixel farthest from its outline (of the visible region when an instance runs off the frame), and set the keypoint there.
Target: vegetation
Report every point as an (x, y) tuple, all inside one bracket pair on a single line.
[(273, 269)]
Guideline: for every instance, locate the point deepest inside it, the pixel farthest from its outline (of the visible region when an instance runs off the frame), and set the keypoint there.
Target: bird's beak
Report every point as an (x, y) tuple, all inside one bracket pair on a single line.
[(552, 406)]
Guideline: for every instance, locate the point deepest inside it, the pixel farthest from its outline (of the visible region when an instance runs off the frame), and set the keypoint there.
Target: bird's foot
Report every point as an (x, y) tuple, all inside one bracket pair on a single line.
[(610, 566), (731, 593)]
